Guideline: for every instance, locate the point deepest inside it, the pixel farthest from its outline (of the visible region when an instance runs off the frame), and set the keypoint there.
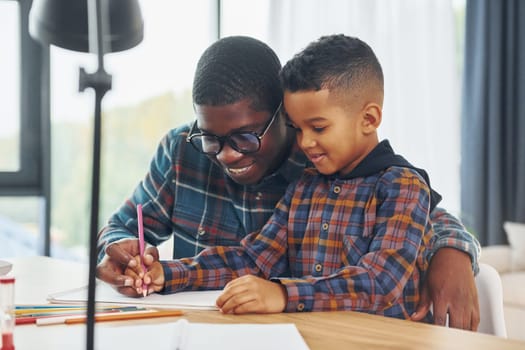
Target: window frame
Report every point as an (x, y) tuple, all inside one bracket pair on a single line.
[(31, 178), (34, 176)]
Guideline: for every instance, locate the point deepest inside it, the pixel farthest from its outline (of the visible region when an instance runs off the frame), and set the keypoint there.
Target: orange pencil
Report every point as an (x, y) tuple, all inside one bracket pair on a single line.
[(119, 316)]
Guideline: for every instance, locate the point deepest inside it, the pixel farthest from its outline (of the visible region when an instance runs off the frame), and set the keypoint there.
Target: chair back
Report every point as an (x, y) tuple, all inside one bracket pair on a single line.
[(490, 296)]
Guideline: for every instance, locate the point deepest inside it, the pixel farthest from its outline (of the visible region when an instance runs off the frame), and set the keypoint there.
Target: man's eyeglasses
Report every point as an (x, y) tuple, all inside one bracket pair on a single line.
[(241, 141)]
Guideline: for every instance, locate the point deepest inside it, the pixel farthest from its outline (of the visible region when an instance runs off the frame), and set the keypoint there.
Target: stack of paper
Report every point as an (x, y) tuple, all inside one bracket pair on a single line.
[(202, 300)]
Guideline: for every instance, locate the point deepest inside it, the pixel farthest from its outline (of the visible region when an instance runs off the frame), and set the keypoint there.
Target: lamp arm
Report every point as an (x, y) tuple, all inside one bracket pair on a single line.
[(100, 81)]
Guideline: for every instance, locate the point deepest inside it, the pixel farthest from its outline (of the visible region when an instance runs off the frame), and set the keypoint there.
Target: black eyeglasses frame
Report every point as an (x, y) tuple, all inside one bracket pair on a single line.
[(227, 138)]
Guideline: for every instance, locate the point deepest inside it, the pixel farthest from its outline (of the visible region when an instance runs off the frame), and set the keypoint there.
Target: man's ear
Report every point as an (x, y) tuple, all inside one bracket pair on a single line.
[(372, 115)]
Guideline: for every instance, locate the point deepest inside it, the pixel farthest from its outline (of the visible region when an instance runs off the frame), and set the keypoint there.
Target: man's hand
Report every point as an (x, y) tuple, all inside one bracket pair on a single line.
[(119, 256), (251, 294), (449, 286)]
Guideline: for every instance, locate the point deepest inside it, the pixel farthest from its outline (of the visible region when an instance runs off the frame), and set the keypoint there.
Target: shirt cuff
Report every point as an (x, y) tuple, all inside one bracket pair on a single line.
[(300, 294), (176, 276)]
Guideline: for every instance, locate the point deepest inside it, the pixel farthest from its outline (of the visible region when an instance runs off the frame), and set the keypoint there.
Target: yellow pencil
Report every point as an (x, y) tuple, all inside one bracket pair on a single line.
[(41, 310), (58, 310)]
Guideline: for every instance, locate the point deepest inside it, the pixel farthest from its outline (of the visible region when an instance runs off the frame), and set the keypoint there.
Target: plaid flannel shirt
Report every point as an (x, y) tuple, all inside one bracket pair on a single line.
[(344, 244)]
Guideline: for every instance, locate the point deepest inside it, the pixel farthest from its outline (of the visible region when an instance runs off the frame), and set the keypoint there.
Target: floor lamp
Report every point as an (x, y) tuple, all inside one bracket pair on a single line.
[(99, 27)]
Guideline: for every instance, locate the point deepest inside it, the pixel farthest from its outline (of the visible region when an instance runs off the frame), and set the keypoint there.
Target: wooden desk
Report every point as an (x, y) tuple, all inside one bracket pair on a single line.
[(36, 277)]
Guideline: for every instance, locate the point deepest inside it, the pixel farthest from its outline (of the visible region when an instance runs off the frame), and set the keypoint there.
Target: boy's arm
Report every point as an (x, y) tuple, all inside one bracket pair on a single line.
[(262, 254), (245, 294), (449, 285)]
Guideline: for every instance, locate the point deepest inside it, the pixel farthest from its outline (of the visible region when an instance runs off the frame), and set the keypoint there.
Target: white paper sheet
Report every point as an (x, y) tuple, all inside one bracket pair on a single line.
[(202, 300), (184, 335), (166, 336)]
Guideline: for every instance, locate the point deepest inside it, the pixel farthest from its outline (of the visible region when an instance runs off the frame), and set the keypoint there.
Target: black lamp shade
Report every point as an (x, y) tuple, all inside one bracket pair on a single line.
[(64, 23)]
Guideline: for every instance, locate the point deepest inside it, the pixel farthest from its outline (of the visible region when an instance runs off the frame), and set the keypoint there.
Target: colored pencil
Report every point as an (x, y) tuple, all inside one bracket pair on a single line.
[(21, 320), (141, 246), (31, 318), (51, 310), (132, 315), (47, 306)]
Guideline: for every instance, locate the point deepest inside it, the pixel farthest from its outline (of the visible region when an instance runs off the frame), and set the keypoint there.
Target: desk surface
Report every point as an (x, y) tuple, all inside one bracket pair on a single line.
[(36, 277)]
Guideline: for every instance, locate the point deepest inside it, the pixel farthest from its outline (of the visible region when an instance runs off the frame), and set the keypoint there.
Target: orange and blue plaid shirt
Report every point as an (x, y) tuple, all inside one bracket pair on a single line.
[(334, 243), (185, 195)]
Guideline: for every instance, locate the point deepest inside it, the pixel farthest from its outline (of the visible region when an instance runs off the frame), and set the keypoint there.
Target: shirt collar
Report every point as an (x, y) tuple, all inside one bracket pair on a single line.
[(383, 157)]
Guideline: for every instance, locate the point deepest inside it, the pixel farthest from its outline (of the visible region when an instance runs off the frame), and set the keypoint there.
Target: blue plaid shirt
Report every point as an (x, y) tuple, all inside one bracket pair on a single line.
[(187, 195)]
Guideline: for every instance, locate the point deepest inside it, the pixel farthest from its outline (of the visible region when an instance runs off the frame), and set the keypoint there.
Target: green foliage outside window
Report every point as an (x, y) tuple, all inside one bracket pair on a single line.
[(129, 139)]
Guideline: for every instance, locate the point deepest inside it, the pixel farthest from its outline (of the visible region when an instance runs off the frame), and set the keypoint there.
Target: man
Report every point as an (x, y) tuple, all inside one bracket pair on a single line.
[(218, 180)]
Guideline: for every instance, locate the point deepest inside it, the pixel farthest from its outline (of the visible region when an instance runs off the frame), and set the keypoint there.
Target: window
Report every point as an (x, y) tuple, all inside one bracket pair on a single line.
[(10, 87), (21, 169), (23, 139), (21, 172)]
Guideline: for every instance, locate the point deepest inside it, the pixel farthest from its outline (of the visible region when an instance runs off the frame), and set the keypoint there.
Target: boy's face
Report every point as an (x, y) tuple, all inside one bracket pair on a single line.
[(246, 169), (335, 137)]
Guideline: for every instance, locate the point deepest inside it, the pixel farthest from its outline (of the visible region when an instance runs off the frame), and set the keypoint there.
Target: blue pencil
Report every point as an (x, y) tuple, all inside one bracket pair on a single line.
[(48, 306)]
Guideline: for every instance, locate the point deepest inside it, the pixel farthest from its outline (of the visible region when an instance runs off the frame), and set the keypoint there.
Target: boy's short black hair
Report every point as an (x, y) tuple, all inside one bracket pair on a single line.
[(236, 68), (335, 62)]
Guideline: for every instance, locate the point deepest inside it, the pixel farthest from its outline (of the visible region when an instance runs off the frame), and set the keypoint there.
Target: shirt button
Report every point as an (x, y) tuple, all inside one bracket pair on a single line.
[(318, 267), (258, 196), (325, 226), (201, 231), (300, 307), (337, 189)]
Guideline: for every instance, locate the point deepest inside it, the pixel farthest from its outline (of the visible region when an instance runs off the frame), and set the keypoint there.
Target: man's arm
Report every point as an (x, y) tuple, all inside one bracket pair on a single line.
[(451, 233), (449, 284), (117, 242)]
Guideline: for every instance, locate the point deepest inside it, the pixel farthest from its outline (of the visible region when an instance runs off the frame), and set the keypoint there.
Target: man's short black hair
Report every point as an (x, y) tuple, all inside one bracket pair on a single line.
[(335, 62), (237, 68)]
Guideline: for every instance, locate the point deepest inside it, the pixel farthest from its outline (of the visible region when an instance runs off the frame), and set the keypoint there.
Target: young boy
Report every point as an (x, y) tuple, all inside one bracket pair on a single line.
[(351, 234)]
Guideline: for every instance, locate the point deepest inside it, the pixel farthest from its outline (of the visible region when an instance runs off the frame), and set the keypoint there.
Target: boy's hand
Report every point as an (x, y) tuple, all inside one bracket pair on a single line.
[(153, 277), (450, 287), (251, 294)]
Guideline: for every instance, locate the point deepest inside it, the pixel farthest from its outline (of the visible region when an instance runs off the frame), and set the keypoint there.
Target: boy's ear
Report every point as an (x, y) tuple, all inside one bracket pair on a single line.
[(372, 115)]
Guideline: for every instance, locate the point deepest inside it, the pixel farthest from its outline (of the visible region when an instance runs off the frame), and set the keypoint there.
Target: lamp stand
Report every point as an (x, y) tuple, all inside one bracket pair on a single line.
[(100, 82)]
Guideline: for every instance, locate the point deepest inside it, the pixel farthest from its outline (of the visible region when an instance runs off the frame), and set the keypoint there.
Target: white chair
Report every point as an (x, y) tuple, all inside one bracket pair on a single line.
[(490, 295)]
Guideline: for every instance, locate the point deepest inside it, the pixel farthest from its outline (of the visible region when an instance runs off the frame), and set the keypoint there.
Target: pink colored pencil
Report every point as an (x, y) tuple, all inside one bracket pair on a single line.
[(141, 246)]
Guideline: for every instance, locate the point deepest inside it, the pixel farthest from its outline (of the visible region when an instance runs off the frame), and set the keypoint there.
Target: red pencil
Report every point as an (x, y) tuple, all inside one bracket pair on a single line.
[(20, 320), (32, 319), (25, 320)]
